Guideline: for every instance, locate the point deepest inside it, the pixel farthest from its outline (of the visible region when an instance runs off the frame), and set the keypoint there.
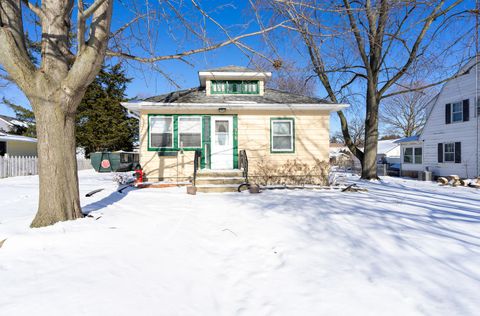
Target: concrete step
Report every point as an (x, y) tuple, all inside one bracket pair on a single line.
[(221, 188), (209, 173), (219, 180)]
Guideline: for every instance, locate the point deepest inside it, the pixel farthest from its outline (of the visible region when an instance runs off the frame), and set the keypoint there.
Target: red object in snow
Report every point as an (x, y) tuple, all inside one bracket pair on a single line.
[(138, 176)]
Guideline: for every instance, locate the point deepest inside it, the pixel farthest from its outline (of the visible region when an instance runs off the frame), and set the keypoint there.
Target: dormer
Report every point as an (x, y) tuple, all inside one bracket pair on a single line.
[(233, 80)]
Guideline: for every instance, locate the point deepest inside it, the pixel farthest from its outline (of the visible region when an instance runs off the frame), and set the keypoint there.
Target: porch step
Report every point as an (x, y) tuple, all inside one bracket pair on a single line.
[(219, 180), (217, 188), (209, 173)]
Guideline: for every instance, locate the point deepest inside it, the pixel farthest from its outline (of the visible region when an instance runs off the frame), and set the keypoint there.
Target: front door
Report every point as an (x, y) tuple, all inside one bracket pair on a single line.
[(222, 142)]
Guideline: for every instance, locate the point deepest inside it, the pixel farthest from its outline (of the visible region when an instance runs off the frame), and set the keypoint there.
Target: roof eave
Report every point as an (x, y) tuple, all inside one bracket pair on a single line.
[(137, 107)]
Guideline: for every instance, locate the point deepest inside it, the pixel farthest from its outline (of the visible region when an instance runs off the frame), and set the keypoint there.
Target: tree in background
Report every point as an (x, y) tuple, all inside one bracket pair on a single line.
[(102, 123), (23, 115), (369, 47), (405, 114), (287, 76)]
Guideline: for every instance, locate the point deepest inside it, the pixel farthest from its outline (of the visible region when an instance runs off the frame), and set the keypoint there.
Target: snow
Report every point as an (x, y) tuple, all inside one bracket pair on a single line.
[(402, 248)]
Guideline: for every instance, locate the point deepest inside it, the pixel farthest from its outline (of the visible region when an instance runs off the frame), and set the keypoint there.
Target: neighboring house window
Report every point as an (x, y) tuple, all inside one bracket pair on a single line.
[(412, 155), (408, 155), (478, 107), (457, 112), (282, 132), (190, 132), (3, 148), (418, 155), (234, 87), (161, 131), (450, 152)]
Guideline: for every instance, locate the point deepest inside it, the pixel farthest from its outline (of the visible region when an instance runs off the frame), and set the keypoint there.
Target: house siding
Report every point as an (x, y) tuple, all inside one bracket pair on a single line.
[(16, 148), (437, 131), (311, 142)]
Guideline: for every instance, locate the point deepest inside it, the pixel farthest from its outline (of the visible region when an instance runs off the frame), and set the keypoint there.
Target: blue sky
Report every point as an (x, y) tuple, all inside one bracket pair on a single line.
[(171, 37)]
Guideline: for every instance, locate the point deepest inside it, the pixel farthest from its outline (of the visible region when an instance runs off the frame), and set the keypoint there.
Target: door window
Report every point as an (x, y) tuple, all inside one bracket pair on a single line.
[(221, 133)]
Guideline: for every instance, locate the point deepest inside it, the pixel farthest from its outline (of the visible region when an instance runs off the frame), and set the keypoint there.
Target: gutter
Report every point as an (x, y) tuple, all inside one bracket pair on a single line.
[(137, 107)]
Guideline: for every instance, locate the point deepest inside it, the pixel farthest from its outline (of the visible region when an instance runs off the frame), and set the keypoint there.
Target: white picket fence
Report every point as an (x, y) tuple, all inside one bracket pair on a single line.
[(14, 166)]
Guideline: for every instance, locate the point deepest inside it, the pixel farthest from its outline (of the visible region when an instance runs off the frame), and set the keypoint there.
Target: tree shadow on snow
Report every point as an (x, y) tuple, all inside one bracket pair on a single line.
[(112, 198)]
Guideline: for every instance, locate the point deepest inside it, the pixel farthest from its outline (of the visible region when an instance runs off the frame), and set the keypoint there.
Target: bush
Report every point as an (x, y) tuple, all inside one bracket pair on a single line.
[(292, 172)]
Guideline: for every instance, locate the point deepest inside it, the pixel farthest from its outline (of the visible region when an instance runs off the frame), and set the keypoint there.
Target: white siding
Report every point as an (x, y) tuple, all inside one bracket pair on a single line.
[(436, 131)]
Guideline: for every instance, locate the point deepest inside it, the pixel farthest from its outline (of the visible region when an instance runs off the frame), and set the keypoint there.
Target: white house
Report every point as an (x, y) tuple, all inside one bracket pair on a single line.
[(449, 142), (15, 145), (9, 124), (388, 151)]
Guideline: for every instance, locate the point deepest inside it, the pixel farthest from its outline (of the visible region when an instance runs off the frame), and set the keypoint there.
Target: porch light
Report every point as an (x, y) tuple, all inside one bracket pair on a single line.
[(222, 110)]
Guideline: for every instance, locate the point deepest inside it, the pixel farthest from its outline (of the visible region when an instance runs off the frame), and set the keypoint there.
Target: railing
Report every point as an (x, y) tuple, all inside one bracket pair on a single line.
[(196, 163), (243, 163)]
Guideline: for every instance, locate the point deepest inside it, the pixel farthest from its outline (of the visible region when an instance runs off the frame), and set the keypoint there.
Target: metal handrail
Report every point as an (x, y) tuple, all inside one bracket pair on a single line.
[(243, 163), (196, 164)]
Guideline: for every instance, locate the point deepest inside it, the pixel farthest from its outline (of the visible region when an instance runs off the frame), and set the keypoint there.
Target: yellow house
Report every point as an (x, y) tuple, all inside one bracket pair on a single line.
[(15, 145), (230, 118)]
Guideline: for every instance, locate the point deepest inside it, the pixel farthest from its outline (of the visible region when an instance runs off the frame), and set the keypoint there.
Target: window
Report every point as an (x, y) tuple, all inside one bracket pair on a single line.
[(282, 135), (449, 152), (412, 155), (408, 155), (221, 133), (161, 131), (478, 107), (234, 87), (457, 112), (418, 155), (190, 132)]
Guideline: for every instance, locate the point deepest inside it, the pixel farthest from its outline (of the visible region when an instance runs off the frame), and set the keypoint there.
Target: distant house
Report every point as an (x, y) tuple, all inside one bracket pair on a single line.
[(388, 151), (449, 142), (10, 124), (15, 145), (229, 113)]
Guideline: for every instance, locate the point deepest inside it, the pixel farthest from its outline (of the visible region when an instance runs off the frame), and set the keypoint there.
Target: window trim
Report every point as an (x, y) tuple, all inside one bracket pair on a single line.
[(242, 84), (178, 131), (172, 118), (450, 152), (414, 162), (292, 136)]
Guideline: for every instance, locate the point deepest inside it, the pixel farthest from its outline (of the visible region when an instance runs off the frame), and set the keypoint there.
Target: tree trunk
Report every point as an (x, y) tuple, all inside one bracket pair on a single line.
[(369, 165), (59, 195)]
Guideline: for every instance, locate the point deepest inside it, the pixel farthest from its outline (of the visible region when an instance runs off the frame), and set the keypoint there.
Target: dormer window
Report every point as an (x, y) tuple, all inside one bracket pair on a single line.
[(234, 87)]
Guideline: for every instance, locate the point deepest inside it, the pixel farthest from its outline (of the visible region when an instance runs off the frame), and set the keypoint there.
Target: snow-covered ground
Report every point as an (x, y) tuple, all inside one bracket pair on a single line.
[(402, 248)]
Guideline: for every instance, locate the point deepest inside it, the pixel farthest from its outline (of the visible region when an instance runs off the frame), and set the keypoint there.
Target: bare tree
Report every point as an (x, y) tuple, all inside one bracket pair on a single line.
[(369, 46), (75, 38), (287, 76), (356, 130), (405, 114)]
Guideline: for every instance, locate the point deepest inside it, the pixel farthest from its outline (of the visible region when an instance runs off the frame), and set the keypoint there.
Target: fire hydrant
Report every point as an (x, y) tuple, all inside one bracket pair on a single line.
[(138, 175)]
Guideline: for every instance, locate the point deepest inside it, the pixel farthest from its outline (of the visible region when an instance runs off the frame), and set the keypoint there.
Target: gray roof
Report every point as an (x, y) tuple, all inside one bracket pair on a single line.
[(231, 68), (271, 96)]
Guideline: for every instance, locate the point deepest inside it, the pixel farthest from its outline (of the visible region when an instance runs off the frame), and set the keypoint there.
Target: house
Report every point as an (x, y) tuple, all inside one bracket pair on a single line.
[(449, 142), (15, 145), (388, 151), (10, 124), (231, 113)]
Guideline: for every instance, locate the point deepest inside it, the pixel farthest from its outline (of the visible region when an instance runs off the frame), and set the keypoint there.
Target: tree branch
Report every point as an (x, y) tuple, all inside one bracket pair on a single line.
[(193, 51)]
